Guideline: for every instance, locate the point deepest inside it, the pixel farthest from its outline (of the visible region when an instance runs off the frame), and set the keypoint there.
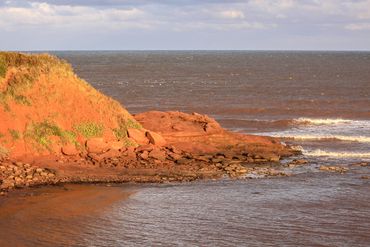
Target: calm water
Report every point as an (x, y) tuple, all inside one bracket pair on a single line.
[(317, 101)]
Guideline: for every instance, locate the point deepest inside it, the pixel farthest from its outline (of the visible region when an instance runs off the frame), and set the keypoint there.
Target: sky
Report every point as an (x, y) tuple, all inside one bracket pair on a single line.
[(184, 25)]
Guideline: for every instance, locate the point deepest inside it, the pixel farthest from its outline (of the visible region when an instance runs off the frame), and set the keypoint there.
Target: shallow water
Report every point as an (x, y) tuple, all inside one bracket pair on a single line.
[(318, 101), (310, 209)]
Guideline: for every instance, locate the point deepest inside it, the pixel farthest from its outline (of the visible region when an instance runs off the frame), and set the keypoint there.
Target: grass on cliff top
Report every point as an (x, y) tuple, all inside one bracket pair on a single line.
[(26, 70)]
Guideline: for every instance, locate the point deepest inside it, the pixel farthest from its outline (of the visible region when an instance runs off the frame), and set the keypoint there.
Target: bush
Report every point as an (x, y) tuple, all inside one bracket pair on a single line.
[(89, 129), (3, 151), (15, 134), (123, 125), (40, 134)]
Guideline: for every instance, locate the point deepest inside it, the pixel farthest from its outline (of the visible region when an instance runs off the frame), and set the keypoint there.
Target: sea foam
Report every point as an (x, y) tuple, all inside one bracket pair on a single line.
[(323, 153), (322, 121), (308, 137)]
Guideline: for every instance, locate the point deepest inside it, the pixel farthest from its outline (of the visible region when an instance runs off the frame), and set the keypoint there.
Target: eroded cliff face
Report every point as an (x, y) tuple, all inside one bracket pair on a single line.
[(45, 106)]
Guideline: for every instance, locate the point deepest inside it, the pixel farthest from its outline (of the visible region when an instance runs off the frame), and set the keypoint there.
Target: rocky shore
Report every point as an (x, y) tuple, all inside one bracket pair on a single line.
[(168, 155), (188, 152)]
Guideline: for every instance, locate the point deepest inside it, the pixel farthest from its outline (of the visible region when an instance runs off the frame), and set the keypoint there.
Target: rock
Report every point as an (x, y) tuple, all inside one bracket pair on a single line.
[(148, 147), (116, 145), (174, 156), (182, 161), (157, 154), (365, 177), (274, 158), (138, 136), (112, 153), (130, 153), (96, 145), (95, 157), (144, 155), (39, 170), (70, 150), (155, 138), (333, 169)]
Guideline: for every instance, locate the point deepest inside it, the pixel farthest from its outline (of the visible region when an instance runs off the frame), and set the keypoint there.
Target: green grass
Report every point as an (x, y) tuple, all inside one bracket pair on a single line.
[(123, 125), (40, 133), (14, 134), (28, 70), (3, 67), (3, 151), (89, 129), (129, 143)]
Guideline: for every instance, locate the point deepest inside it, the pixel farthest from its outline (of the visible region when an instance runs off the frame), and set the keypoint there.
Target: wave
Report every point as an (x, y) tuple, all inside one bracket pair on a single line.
[(322, 121), (363, 139), (322, 153)]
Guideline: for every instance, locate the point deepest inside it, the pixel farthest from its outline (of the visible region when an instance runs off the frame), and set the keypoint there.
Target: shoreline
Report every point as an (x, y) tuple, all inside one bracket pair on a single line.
[(172, 146)]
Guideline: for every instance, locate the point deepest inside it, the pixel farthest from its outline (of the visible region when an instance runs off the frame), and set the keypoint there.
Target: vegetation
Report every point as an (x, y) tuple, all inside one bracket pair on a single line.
[(128, 142), (3, 66), (27, 69), (89, 129), (123, 125), (3, 151), (15, 134), (40, 133)]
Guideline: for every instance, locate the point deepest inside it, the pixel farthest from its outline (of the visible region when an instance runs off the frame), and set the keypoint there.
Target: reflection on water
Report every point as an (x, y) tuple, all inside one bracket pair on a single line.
[(314, 209)]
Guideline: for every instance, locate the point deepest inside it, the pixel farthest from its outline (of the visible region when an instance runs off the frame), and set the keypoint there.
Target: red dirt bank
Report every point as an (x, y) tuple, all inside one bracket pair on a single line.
[(55, 128)]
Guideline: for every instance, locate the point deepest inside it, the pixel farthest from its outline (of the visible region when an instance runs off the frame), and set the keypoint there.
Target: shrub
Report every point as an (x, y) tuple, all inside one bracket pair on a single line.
[(3, 66), (15, 134), (123, 125), (89, 129), (3, 151), (40, 134)]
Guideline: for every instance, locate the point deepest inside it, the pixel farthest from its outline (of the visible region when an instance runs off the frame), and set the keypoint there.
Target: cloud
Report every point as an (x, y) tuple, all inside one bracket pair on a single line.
[(46, 15), (232, 14), (264, 19), (358, 26)]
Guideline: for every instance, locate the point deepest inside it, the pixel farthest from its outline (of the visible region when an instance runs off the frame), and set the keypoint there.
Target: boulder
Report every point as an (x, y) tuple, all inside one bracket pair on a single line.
[(96, 145), (112, 153), (138, 136), (70, 150), (155, 138), (144, 155), (148, 147), (116, 145), (130, 153), (157, 154)]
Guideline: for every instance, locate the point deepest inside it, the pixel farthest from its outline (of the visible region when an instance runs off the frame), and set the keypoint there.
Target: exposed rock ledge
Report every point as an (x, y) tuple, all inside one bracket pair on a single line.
[(173, 146)]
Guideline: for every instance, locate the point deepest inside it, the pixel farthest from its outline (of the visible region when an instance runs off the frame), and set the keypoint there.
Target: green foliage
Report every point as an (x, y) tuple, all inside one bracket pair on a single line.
[(28, 70), (3, 67), (132, 124), (40, 134), (123, 125), (89, 129), (15, 134), (3, 151), (128, 142)]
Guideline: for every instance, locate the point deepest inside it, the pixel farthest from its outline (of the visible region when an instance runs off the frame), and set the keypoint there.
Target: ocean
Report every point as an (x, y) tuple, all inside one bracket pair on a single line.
[(318, 102)]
